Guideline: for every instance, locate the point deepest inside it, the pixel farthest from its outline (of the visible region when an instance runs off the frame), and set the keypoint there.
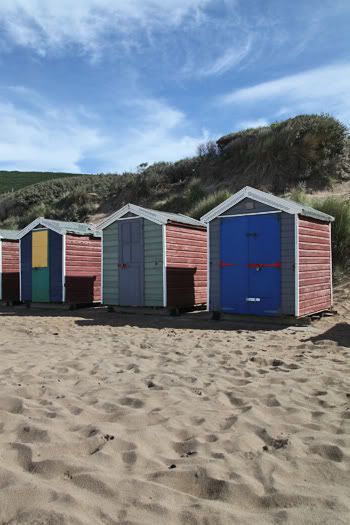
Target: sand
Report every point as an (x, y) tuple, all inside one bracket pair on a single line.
[(124, 419)]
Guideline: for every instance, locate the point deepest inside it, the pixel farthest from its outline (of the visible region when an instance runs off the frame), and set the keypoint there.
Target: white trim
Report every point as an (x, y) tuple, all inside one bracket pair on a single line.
[(331, 261), (152, 215), (64, 268), (61, 230), (102, 248), (20, 270), (0, 269), (131, 208), (126, 219), (165, 294), (296, 265), (264, 198), (245, 214), (36, 222), (208, 269)]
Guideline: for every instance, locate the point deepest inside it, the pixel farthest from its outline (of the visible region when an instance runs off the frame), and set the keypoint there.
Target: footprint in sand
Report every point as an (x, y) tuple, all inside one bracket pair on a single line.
[(31, 434), (131, 402), (331, 452), (14, 405)]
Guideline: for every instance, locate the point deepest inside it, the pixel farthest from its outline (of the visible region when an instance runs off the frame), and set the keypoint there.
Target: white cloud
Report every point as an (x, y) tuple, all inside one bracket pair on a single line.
[(228, 60), (255, 123), (53, 24), (37, 136), (155, 132), (324, 89), (49, 141)]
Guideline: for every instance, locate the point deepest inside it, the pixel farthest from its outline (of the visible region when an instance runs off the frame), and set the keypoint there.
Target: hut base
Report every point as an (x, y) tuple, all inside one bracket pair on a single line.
[(140, 310), (155, 310), (10, 303), (253, 320), (60, 306)]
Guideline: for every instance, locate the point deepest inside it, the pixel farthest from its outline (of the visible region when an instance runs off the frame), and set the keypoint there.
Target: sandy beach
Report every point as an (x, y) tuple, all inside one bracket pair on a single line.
[(125, 419)]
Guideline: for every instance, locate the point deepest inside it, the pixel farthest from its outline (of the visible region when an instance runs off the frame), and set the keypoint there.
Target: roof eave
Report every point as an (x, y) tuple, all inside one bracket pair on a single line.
[(31, 226), (132, 208), (265, 198)]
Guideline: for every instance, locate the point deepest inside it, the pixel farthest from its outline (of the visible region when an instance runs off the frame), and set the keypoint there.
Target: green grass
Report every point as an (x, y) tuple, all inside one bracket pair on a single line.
[(309, 150), (16, 180), (208, 203)]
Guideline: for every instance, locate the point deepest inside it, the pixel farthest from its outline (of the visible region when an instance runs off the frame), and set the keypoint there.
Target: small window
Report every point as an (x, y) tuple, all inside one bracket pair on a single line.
[(249, 205)]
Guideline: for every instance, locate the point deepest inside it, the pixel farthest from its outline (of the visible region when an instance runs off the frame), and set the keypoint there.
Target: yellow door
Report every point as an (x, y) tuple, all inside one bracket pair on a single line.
[(40, 249)]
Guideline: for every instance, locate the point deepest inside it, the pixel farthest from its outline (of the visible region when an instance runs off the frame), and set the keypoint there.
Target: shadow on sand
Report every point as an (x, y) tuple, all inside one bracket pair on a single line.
[(100, 316), (340, 333)]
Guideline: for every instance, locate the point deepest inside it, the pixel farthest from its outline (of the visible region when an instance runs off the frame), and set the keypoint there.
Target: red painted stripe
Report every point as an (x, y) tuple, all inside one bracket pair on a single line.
[(225, 264)]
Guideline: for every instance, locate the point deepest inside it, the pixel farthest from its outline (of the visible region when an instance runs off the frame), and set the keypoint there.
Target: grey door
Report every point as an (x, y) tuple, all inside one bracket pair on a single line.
[(131, 262)]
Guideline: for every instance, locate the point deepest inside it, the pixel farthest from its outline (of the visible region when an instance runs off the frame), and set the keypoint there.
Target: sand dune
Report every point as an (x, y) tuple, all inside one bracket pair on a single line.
[(108, 419)]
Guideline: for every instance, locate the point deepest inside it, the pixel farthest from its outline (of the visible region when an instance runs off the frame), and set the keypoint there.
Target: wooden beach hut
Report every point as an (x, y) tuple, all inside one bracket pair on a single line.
[(9, 266), (268, 256), (153, 259), (60, 262)]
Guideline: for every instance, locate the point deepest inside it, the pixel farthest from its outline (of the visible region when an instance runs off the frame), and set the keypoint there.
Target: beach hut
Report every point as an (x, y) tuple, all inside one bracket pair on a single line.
[(9, 266), (60, 262), (153, 259), (268, 256)]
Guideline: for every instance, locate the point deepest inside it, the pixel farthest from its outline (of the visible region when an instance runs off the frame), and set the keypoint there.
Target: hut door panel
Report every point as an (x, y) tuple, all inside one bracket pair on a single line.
[(40, 267), (41, 285), (264, 248), (131, 262), (250, 264), (234, 265), (40, 249)]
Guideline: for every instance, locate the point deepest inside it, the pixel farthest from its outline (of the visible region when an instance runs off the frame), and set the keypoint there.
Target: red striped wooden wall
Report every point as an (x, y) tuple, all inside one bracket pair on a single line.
[(186, 265), (83, 269), (315, 271), (10, 270)]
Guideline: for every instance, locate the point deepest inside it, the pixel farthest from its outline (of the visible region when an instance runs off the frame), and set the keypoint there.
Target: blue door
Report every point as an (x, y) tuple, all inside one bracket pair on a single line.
[(131, 263), (234, 264), (251, 264)]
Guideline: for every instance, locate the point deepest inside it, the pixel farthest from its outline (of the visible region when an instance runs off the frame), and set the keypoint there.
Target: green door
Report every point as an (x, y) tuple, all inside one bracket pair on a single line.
[(40, 285)]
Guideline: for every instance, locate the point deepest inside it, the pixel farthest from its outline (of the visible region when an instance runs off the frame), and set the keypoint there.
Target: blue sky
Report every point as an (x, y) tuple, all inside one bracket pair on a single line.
[(103, 85)]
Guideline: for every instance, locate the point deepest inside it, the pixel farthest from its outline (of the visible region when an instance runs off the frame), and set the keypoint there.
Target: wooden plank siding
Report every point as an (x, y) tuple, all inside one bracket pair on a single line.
[(186, 269), (110, 264), (153, 263), (315, 279), (10, 270), (83, 269)]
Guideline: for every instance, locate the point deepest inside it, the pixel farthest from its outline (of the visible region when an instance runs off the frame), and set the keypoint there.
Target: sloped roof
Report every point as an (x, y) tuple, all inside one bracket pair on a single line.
[(61, 227), (286, 205), (10, 235), (159, 217)]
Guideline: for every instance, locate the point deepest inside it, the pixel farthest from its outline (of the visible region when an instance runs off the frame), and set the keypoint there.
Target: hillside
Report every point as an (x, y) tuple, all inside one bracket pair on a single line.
[(16, 180), (310, 152)]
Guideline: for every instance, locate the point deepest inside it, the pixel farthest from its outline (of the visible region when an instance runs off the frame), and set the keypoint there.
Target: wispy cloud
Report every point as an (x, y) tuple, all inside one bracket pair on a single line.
[(255, 123), (227, 60), (47, 141), (50, 25), (153, 132), (35, 135), (324, 89)]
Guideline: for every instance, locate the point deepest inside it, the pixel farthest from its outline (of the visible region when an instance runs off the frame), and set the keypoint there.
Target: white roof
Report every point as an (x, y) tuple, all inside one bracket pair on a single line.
[(159, 217), (9, 235), (286, 205), (61, 227)]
